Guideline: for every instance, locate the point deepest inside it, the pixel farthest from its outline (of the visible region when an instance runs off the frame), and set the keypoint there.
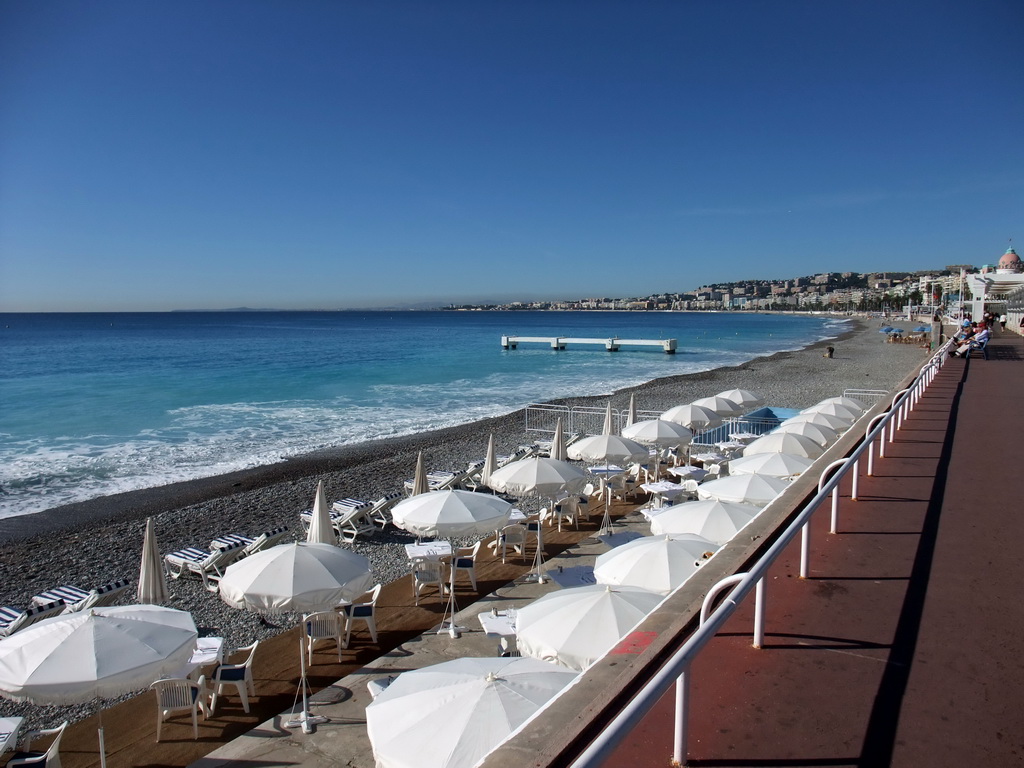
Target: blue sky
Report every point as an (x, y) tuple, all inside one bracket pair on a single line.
[(177, 154)]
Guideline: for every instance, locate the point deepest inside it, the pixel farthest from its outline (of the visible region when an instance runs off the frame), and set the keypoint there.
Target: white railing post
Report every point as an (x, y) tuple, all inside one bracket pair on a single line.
[(853, 488), (871, 458), (834, 524), (759, 608), (805, 548), (682, 723)]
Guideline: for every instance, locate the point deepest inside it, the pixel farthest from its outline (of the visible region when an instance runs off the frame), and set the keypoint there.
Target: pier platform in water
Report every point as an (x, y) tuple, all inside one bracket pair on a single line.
[(612, 344)]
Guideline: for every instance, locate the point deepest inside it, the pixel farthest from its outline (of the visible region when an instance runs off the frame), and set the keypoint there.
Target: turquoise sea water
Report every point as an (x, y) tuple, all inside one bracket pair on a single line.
[(93, 404)]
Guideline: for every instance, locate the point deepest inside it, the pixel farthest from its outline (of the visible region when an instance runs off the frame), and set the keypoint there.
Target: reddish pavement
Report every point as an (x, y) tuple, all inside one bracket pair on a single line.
[(904, 646)]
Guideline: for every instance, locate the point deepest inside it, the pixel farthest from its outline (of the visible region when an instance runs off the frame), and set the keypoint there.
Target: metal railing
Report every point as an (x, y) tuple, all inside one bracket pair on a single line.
[(676, 670)]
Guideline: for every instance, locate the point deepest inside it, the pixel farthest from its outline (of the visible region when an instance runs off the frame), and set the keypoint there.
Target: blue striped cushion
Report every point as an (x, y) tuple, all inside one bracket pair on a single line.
[(119, 584), (67, 593), (190, 554), (228, 539), (8, 614)]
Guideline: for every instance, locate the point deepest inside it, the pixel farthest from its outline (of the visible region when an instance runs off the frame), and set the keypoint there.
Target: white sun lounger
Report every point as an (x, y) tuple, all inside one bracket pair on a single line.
[(13, 619), (78, 599), (209, 566)]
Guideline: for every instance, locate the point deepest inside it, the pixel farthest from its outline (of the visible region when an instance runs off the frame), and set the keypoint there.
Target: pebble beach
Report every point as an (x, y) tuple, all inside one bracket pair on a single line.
[(95, 542)]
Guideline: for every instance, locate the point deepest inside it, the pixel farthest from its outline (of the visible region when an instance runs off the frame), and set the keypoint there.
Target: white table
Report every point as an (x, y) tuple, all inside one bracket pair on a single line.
[(209, 651), (743, 437), (432, 550), (687, 472), (9, 727), (573, 576), (606, 470), (663, 489), (710, 458), (502, 624)]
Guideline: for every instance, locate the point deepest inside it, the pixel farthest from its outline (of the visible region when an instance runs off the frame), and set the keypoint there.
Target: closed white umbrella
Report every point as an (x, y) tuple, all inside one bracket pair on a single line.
[(849, 415), (819, 433), (849, 402), (558, 450), (152, 588), (743, 398), (539, 477), (631, 413), (419, 480), (611, 449), (743, 489), (657, 563), (720, 405), (717, 521), (824, 419), (296, 577), (490, 463), (696, 418), (783, 465), (451, 513), (320, 529), (575, 627), (784, 442), (450, 715), (609, 424)]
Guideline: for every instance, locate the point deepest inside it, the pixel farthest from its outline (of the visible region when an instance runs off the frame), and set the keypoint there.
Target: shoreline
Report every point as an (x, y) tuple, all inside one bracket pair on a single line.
[(145, 502), (88, 544)]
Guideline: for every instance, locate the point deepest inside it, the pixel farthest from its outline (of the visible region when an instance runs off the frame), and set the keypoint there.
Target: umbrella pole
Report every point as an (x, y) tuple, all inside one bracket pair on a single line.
[(305, 720), (103, 745), (535, 576), (452, 629), (606, 521)]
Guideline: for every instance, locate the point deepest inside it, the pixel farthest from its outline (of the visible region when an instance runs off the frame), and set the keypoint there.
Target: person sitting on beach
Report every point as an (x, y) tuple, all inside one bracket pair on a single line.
[(977, 341)]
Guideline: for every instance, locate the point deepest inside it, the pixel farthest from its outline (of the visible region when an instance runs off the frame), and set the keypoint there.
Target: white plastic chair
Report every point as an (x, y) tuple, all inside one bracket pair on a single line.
[(425, 573), (465, 560), (48, 759), (324, 625), (180, 695), (362, 611), (513, 536), (238, 675)]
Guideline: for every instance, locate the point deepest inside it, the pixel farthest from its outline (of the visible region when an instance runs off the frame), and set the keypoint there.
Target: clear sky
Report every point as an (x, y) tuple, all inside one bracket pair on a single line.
[(162, 154)]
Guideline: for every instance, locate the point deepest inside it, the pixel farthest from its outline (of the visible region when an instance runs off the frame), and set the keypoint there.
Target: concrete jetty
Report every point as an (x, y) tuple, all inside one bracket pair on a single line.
[(612, 344)]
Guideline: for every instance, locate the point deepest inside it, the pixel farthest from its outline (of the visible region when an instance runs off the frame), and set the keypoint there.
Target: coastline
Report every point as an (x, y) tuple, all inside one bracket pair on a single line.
[(92, 543)]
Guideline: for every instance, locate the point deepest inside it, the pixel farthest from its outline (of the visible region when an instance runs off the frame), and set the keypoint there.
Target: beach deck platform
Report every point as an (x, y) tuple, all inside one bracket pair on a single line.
[(613, 344), (902, 648)]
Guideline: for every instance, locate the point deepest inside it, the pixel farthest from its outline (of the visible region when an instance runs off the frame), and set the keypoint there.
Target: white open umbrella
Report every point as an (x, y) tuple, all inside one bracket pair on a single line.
[(816, 417), (558, 450), (849, 415), (539, 477), (98, 653), (574, 627), (612, 449), (659, 433), (720, 405), (451, 513), (696, 418), (743, 398), (296, 577), (717, 521), (784, 465), (450, 715), (850, 402), (784, 442), (819, 433), (320, 529), (657, 563), (152, 588), (743, 489)]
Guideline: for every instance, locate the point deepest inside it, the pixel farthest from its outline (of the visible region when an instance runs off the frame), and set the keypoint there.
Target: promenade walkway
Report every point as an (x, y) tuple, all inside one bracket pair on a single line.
[(903, 647)]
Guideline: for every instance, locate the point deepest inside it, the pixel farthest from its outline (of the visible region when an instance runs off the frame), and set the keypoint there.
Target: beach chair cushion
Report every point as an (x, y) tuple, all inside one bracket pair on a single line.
[(13, 619)]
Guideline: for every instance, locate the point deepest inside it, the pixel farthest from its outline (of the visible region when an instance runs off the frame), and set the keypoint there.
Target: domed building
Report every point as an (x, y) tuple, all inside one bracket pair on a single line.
[(1009, 263)]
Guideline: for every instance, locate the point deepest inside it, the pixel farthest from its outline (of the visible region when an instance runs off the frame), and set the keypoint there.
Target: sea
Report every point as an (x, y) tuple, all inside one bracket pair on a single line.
[(95, 404)]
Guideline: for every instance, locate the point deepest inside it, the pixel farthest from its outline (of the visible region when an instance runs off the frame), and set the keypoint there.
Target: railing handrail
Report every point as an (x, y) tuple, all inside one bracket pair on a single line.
[(634, 710)]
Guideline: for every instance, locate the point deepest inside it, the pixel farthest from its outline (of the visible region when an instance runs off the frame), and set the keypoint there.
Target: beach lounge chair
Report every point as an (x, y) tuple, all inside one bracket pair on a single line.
[(238, 675), (362, 612), (50, 758), (380, 512), (323, 625), (352, 520), (78, 599), (14, 619), (209, 566), (251, 546), (180, 695)]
